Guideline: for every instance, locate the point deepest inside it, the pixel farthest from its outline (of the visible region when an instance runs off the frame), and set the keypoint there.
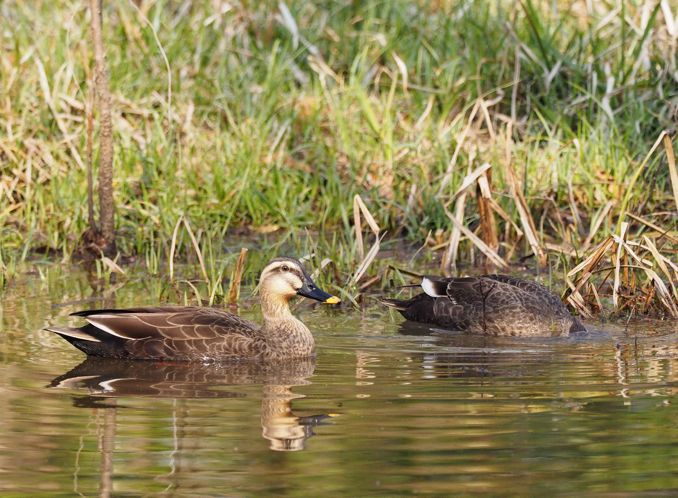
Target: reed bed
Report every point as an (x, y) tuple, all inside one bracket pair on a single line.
[(476, 135)]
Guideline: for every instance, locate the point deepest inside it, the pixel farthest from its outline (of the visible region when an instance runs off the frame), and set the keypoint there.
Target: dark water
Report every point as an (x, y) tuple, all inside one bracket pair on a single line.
[(384, 409)]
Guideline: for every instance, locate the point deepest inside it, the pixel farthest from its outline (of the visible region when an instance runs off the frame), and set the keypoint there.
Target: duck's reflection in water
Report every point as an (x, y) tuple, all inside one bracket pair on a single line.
[(639, 362), (462, 355), (108, 379)]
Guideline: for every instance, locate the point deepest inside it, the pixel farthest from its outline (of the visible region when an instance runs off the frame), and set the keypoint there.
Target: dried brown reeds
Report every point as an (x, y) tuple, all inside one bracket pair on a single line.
[(236, 277), (624, 270), (633, 268), (361, 212)]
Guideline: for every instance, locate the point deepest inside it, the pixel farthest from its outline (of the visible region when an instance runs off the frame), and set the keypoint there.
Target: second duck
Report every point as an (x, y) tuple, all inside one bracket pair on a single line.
[(497, 305)]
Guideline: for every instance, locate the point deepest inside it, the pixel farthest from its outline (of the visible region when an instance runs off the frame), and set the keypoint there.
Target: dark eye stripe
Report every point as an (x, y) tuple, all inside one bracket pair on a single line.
[(290, 269)]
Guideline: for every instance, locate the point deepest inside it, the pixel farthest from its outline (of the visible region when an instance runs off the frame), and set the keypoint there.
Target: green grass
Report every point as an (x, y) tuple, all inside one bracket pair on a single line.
[(270, 131)]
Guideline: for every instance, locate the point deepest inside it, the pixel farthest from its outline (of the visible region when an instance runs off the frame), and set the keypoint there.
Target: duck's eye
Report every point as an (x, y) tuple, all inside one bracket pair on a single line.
[(285, 268)]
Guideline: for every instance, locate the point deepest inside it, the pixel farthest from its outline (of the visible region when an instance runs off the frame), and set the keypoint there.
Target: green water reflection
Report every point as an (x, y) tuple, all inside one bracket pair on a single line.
[(385, 409)]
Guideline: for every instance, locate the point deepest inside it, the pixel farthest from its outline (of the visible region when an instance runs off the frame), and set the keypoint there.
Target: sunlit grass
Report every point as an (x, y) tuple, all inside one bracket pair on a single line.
[(275, 125)]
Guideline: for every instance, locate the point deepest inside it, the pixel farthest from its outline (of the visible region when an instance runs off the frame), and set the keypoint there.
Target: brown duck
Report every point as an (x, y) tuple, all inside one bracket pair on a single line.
[(206, 334), (497, 305)]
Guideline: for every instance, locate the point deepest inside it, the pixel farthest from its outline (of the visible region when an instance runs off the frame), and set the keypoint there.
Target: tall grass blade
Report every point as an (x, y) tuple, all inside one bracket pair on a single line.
[(198, 252), (526, 219), (173, 246)]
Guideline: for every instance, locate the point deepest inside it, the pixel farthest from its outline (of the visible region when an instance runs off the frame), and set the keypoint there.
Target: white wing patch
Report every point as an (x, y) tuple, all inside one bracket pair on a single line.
[(107, 385), (429, 288)]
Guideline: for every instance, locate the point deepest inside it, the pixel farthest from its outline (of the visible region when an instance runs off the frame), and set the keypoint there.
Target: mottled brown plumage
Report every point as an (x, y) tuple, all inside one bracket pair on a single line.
[(497, 305), (192, 333)]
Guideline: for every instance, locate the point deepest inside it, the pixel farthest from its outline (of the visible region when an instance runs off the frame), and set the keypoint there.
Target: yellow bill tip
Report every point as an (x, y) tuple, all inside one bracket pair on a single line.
[(332, 300)]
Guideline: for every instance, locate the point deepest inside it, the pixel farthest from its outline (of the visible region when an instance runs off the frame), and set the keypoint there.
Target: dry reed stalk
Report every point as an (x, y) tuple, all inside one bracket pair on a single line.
[(450, 258), (661, 262), (487, 251), (561, 248), (173, 246), (629, 189), (597, 222), (628, 258), (112, 266), (402, 67), (488, 119), (504, 216), (196, 248), (594, 291), (469, 180), (198, 252), (370, 282), (663, 292), (460, 142), (656, 228), (576, 300), (488, 225), (323, 264), (617, 263), (424, 115), (359, 208), (236, 277), (406, 272), (589, 264), (671, 159), (526, 219)]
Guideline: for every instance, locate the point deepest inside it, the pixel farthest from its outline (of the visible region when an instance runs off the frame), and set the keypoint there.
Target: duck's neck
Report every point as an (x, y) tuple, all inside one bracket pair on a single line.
[(283, 330), (275, 307)]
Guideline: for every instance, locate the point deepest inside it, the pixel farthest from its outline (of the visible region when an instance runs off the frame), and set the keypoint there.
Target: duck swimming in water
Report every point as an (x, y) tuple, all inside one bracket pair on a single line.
[(495, 305), (194, 333)]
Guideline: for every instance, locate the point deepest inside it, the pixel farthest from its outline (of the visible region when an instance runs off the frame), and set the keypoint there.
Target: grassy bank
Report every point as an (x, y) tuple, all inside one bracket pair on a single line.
[(262, 123)]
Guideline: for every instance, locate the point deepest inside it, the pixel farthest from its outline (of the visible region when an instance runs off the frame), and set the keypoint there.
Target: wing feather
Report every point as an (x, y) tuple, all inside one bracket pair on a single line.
[(188, 323)]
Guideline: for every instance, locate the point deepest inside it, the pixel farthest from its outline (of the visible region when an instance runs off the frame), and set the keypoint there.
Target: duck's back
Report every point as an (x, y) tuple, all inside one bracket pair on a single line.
[(508, 306), (532, 294)]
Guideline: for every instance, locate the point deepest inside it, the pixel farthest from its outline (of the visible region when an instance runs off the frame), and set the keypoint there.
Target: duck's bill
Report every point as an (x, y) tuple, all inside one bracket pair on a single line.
[(312, 292)]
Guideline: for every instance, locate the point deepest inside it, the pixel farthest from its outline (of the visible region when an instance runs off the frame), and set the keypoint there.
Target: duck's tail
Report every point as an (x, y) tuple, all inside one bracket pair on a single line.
[(72, 333)]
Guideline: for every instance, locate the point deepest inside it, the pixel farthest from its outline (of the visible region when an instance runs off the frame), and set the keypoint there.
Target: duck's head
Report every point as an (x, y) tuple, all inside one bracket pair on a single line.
[(286, 277)]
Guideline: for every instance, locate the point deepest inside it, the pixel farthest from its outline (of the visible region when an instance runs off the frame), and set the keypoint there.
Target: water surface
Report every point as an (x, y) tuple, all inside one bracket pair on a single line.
[(386, 408)]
